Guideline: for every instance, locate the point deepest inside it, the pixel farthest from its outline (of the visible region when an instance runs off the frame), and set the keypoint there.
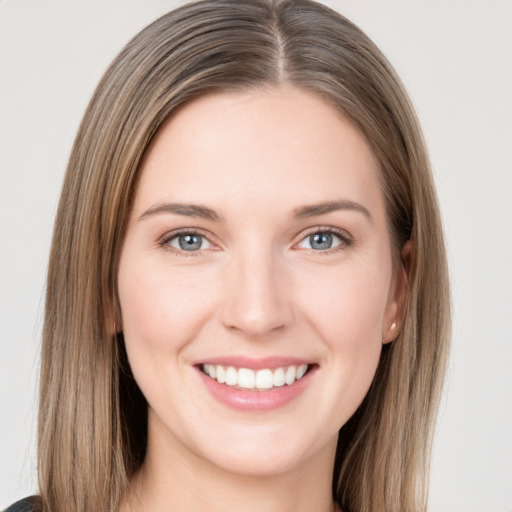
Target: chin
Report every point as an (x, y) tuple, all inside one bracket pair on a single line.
[(254, 453), (258, 463)]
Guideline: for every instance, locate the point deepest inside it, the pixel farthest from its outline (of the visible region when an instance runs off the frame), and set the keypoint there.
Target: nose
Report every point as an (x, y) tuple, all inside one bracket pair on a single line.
[(258, 300)]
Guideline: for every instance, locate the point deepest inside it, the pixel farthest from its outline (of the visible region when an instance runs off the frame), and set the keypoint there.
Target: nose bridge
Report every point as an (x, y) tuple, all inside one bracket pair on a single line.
[(256, 301)]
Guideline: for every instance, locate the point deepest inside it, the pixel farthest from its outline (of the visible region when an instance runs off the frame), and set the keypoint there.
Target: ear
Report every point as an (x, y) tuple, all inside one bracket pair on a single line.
[(395, 310)]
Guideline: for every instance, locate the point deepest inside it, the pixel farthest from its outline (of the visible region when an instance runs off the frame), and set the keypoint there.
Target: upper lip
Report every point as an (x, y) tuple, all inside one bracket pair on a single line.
[(253, 363)]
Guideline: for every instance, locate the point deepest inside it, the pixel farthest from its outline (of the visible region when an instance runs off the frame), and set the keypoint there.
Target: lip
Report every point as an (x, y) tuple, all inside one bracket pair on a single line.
[(256, 400)]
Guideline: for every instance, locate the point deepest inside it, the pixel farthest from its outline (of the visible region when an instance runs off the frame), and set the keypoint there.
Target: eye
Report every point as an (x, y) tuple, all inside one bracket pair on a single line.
[(188, 242), (324, 240)]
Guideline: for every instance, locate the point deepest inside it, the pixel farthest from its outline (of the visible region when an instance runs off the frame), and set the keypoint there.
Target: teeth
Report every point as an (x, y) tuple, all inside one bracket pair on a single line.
[(301, 370), (264, 379), (279, 377), (221, 374), (231, 376), (246, 378), (291, 373)]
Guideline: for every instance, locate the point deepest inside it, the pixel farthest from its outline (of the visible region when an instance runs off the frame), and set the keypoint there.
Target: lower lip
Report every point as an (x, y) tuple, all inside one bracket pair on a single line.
[(252, 400)]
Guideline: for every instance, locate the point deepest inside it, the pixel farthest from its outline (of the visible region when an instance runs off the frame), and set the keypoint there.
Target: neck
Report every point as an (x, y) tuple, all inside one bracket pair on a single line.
[(174, 478)]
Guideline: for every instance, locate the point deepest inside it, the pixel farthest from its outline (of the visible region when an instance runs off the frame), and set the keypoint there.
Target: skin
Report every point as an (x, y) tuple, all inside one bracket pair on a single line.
[(255, 288)]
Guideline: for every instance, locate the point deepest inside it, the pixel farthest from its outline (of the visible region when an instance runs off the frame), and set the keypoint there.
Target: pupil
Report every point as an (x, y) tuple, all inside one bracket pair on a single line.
[(190, 242), (321, 241)]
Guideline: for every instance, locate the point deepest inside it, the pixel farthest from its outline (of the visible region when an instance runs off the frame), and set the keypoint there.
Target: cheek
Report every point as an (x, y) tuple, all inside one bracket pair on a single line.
[(161, 310), (347, 305), (347, 309)]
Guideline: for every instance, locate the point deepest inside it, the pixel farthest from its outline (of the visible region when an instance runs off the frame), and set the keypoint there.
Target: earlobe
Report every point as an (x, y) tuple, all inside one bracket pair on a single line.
[(398, 294), (390, 334)]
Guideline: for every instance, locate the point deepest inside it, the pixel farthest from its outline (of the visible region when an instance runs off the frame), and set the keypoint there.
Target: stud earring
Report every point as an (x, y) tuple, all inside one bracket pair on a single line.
[(393, 326)]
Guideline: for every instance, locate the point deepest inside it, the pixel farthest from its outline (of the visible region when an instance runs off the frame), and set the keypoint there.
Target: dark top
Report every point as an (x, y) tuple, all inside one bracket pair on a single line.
[(31, 504)]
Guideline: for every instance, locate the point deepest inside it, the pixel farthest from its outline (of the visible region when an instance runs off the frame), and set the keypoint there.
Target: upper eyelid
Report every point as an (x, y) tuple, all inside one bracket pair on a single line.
[(186, 231), (344, 234)]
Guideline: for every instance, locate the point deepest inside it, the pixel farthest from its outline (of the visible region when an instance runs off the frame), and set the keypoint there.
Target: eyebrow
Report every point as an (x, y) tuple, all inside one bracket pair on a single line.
[(304, 212), (189, 210)]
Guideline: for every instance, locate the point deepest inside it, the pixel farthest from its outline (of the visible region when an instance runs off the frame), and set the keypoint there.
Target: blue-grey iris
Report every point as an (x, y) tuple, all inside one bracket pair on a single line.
[(320, 241), (190, 242)]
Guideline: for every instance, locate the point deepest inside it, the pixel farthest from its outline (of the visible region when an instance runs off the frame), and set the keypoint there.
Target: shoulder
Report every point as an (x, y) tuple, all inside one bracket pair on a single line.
[(31, 504)]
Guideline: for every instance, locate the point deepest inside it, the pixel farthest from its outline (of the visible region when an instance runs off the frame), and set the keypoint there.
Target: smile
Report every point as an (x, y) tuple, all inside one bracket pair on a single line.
[(256, 385), (258, 380)]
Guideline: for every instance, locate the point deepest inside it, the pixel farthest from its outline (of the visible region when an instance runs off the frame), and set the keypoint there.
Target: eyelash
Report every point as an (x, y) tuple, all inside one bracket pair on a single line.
[(164, 242), (346, 240)]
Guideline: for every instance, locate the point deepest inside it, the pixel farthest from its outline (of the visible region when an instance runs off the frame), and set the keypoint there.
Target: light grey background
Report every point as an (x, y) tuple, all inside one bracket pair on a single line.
[(455, 57)]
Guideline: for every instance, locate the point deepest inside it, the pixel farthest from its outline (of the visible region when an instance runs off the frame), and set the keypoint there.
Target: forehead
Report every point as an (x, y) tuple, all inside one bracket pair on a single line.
[(280, 145)]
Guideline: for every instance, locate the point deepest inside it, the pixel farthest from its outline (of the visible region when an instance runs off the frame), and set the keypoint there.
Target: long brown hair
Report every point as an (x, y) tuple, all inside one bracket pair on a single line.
[(92, 417)]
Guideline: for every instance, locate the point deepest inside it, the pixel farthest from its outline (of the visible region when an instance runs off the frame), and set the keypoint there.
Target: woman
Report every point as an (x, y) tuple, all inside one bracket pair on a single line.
[(247, 299)]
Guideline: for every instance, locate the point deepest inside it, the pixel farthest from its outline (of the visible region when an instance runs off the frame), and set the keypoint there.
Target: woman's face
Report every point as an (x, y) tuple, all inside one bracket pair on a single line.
[(257, 249)]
